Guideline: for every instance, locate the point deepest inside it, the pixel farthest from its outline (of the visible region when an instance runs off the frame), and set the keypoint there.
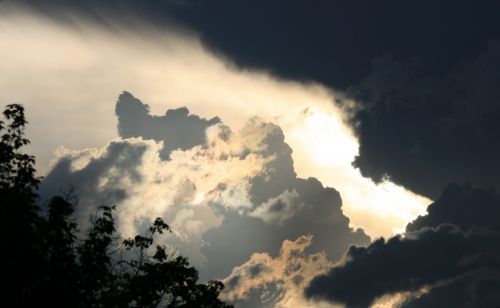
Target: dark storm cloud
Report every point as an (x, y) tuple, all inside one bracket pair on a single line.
[(416, 125), (479, 289), (463, 206), (333, 42), (177, 128), (455, 250)]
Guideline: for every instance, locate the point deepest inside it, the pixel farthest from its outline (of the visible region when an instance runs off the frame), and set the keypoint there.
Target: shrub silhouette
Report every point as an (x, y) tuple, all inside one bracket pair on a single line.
[(47, 262)]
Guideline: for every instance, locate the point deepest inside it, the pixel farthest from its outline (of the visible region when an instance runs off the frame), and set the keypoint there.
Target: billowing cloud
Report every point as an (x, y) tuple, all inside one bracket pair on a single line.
[(448, 258), (227, 196), (131, 174)]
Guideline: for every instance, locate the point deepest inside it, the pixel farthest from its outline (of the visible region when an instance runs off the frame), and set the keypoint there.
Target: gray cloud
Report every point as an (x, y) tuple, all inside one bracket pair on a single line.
[(177, 128), (100, 180), (320, 216)]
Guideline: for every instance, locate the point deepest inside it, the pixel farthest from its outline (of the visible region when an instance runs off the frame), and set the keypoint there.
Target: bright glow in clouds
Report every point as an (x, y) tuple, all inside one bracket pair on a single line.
[(365, 203), (70, 77)]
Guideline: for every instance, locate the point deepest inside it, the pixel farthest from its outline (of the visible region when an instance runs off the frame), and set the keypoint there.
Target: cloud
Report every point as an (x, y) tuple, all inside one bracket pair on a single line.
[(416, 124), (464, 206), (320, 215), (449, 258), (227, 195), (278, 281), (131, 174), (177, 128), (272, 210), (432, 118), (285, 207)]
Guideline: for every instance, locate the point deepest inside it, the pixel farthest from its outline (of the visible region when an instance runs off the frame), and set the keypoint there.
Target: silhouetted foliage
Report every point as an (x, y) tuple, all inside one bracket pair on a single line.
[(47, 262)]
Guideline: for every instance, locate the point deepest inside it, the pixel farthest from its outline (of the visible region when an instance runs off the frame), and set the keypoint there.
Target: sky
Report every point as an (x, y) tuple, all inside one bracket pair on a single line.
[(308, 154)]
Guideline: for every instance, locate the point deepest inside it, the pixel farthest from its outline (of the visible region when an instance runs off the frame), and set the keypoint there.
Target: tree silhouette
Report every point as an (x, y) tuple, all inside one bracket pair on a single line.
[(46, 260)]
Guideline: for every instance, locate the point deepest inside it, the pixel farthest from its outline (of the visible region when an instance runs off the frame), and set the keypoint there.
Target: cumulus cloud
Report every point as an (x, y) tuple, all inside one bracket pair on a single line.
[(229, 195), (448, 258), (131, 174)]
